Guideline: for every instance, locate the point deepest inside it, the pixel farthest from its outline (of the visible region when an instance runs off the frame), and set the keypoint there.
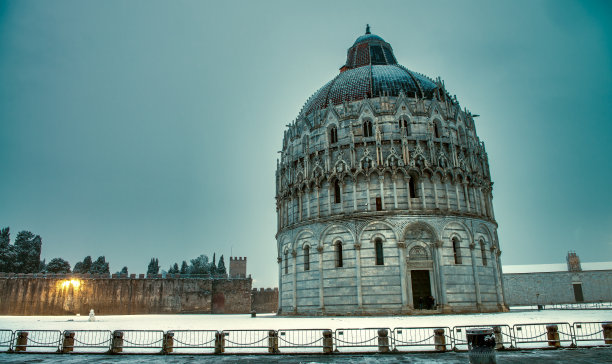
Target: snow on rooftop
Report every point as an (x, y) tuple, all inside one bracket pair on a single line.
[(555, 267)]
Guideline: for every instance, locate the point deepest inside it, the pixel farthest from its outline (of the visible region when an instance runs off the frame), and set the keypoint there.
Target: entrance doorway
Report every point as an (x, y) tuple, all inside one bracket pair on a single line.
[(421, 290)]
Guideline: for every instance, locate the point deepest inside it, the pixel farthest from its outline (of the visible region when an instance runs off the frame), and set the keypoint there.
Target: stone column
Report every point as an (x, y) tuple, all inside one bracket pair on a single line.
[(329, 200), (435, 188), (491, 205), (401, 250), (423, 194), (447, 196), (318, 202), (467, 196), (457, 194), (280, 282), (496, 272), (342, 185), (475, 275), (358, 274), (300, 205), (368, 192), (409, 285), (354, 194), (394, 193), (407, 180), (381, 180), (295, 304), (438, 263), (308, 202), (321, 297)]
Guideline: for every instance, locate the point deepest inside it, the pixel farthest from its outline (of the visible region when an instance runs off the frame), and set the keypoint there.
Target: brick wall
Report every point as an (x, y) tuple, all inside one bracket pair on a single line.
[(55, 295), (265, 300), (557, 287)]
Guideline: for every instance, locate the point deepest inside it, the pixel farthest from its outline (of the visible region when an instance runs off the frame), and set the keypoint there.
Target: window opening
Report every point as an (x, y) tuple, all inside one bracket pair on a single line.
[(337, 192), (483, 252), (367, 128), (456, 251), (286, 263), (307, 258), (334, 135), (378, 204), (380, 259), (411, 188), (339, 262), (436, 129)]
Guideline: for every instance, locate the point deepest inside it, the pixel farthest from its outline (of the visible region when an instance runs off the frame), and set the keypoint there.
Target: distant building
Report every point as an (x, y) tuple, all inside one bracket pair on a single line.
[(384, 197), (237, 268), (547, 284)]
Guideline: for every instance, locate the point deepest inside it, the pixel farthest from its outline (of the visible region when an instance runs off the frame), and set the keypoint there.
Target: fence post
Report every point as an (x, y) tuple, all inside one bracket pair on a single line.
[(168, 343), (273, 342), (328, 342), (439, 340), (68, 343), (552, 333), (219, 342), (22, 341), (607, 332), (117, 345), (383, 341), (499, 338)]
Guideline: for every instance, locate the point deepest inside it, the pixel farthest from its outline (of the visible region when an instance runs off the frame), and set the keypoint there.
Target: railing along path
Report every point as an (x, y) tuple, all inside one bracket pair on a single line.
[(290, 341)]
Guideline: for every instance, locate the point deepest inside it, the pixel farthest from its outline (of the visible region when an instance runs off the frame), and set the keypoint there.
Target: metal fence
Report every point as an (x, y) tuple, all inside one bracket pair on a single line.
[(37, 340), (535, 335), (288, 341), (243, 340), (6, 339), (309, 340), (191, 341), (88, 341), (421, 338), (357, 338)]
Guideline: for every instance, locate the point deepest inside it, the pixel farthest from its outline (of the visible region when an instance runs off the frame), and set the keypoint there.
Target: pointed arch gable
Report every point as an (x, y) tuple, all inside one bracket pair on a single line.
[(414, 231)]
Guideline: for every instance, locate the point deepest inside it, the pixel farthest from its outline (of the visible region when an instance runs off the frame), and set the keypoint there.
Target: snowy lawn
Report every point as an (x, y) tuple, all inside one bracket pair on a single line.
[(271, 321)]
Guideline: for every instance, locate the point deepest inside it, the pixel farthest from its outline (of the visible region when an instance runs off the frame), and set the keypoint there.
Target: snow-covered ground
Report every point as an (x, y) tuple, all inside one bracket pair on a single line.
[(271, 321)]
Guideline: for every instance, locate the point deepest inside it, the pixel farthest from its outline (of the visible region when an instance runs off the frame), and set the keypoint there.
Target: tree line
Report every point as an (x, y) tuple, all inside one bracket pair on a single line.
[(199, 266), (23, 256)]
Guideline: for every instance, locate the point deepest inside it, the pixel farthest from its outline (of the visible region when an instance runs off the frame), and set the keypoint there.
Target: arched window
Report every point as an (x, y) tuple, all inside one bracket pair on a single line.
[(286, 263), (337, 192), (339, 262), (333, 135), (403, 123), (456, 251), (367, 129), (483, 253), (437, 129), (380, 258), (411, 188), (305, 144), (461, 136), (306, 257)]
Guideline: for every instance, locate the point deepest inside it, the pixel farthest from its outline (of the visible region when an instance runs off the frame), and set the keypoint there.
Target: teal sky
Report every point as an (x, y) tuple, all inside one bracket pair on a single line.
[(139, 129)]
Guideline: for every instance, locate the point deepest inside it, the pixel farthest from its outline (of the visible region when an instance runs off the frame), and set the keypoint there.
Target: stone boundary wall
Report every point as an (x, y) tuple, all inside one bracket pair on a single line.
[(77, 294), (264, 300), (528, 289)]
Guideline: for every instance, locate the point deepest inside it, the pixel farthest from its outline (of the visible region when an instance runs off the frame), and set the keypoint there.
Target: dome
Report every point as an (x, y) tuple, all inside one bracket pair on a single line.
[(371, 70)]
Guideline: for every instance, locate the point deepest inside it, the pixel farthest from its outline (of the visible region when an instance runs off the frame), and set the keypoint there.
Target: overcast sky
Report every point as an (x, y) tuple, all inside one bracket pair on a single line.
[(139, 129)]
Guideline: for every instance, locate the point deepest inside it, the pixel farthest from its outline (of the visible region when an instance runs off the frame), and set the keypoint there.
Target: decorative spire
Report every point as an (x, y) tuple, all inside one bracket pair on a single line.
[(368, 29)]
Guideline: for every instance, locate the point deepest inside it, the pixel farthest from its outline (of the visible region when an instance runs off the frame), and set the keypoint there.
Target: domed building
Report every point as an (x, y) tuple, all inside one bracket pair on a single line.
[(384, 197)]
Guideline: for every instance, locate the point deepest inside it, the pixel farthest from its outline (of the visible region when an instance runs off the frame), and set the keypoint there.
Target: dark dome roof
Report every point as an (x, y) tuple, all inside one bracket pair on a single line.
[(368, 82), (368, 37), (370, 71)]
